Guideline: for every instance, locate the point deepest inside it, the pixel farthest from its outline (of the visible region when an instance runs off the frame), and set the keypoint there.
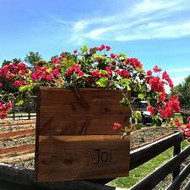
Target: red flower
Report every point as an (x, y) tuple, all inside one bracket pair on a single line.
[(108, 48), (21, 66), (49, 77), (18, 83), (117, 127), (188, 125), (188, 119), (126, 74), (177, 122), (109, 71), (156, 69), (102, 47), (8, 105), (167, 113), (150, 109), (55, 72), (80, 73), (119, 72), (134, 62), (162, 96), (23, 72), (149, 73), (112, 55), (63, 56), (1, 85), (156, 84)]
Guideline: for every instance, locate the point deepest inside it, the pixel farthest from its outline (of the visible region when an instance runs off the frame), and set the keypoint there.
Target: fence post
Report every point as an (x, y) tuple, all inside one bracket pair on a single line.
[(176, 151), (13, 113)]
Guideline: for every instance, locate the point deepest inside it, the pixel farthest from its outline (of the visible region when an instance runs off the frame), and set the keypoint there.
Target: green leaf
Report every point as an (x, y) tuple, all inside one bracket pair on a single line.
[(102, 82), (23, 88), (137, 115), (141, 96), (84, 49), (20, 103), (124, 102)]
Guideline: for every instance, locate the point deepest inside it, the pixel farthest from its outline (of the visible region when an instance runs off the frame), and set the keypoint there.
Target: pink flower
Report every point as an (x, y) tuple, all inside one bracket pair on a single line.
[(117, 127), (156, 69), (188, 119), (108, 48), (1, 85)]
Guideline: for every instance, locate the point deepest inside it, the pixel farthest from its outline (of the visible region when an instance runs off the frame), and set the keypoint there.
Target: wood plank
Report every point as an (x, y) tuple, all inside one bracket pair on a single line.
[(82, 157), (17, 149), (16, 124), (16, 134), (154, 178), (146, 153), (179, 179), (85, 111)]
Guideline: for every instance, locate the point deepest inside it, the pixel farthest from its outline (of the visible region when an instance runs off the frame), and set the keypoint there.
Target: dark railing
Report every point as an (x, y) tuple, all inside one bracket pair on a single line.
[(25, 112)]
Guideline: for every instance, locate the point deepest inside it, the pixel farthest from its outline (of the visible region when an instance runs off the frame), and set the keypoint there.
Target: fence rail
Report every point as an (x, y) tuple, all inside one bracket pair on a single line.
[(137, 158)]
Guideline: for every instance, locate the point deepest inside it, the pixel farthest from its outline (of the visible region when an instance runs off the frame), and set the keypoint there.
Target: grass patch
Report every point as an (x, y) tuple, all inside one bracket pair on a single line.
[(142, 171)]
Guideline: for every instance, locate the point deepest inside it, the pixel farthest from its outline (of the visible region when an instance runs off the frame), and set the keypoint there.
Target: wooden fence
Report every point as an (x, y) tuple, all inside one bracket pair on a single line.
[(137, 158)]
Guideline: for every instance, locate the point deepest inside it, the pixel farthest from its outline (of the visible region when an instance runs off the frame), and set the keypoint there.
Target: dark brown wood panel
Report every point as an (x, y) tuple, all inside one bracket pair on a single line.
[(82, 157)]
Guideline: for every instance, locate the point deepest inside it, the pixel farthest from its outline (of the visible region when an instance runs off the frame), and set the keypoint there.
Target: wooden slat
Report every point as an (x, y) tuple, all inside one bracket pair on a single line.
[(16, 124), (85, 111), (153, 179), (18, 149), (180, 178), (82, 157), (16, 134), (146, 153)]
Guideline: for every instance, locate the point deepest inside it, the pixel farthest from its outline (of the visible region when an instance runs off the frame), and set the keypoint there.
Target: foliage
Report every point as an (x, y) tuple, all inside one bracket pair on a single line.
[(91, 68), (32, 58), (183, 91)]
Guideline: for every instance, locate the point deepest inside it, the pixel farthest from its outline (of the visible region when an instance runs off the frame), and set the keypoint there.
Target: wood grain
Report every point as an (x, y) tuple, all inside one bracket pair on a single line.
[(82, 157), (86, 111), (74, 135), (17, 150), (16, 134)]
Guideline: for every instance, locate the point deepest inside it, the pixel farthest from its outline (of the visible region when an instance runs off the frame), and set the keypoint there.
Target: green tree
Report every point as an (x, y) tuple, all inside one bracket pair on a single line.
[(32, 58), (15, 61), (183, 91)]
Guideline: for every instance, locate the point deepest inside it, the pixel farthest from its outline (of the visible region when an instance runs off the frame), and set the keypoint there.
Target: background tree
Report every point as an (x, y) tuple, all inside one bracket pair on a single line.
[(32, 58), (183, 91), (15, 61)]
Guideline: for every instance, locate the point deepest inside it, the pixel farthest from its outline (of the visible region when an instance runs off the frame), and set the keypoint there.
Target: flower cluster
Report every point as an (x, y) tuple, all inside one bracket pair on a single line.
[(3, 109), (95, 67), (185, 129)]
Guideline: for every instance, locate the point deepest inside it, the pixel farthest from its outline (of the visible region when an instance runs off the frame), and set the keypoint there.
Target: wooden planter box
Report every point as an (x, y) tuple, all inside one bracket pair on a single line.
[(74, 135)]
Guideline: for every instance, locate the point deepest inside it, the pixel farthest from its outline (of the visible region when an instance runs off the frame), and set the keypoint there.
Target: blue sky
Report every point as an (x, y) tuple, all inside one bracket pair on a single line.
[(155, 31)]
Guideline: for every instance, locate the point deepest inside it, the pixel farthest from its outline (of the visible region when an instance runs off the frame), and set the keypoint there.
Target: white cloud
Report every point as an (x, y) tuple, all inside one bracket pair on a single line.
[(179, 70), (146, 19)]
